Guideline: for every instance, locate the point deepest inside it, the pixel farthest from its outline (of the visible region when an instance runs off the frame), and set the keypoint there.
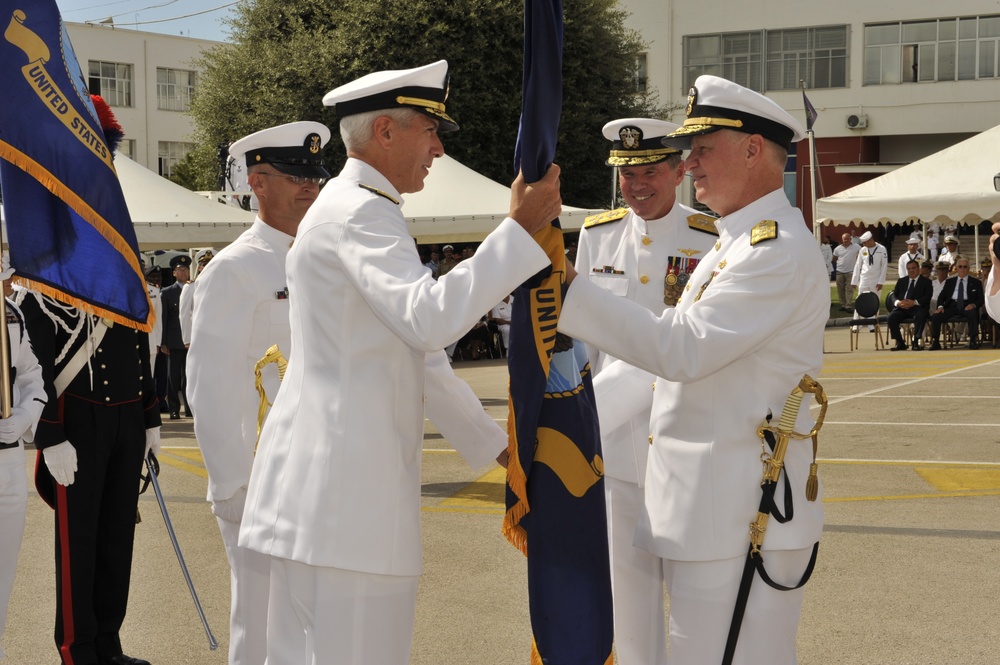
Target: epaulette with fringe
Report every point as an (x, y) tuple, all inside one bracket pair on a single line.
[(605, 217), (703, 223)]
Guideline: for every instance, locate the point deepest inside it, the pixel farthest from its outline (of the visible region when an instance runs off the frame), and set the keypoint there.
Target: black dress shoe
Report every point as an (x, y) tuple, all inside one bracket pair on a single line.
[(898, 347), (934, 347), (973, 345), (187, 414), (122, 659), (917, 347), (174, 415)]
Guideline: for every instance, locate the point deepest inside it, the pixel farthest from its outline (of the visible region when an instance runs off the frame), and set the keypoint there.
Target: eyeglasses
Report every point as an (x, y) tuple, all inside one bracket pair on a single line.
[(297, 179)]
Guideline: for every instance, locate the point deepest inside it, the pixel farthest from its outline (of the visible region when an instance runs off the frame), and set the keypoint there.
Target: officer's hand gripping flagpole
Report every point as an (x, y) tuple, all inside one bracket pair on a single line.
[(213, 644)]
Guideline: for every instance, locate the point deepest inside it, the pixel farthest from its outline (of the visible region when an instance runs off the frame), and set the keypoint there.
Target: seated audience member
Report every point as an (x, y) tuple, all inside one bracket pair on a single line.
[(911, 301), (500, 317), (476, 343), (961, 297)]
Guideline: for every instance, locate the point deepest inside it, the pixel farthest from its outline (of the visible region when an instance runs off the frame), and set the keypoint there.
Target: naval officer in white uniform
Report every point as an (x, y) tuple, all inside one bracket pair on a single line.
[(747, 327), (334, 495), (646, 253), (240, 310)]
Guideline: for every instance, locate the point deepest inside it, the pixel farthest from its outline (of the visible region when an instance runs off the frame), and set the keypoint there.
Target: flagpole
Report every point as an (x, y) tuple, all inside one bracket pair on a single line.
[(810, 119)]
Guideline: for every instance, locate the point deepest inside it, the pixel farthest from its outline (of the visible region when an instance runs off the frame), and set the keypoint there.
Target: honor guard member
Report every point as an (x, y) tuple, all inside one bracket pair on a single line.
[(334, 495), (240, 311), (912, 253), (172, 344), (646, 253), (100, 419), (201, 260), (747, 327), (27, 400), (870, 268)]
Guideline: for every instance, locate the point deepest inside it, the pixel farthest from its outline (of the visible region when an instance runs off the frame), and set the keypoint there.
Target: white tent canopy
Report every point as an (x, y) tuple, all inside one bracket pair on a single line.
[(954, 185), (458, 204), (166, 215)]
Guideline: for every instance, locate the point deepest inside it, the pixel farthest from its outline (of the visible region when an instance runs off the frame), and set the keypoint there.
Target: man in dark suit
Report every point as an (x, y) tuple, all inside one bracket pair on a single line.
[(172, 345), (911, 299), (961, 297)]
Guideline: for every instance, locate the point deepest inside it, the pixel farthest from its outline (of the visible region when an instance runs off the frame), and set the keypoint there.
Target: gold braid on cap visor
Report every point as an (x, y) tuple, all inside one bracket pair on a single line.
[(692, 125), (416, 101)]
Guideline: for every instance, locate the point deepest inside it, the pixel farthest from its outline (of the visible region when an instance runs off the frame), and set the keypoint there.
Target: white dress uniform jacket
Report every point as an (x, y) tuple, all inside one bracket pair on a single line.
[(336, 482), (186, 311), (870, 268), (630, 258), (745, 331), (241, 309)]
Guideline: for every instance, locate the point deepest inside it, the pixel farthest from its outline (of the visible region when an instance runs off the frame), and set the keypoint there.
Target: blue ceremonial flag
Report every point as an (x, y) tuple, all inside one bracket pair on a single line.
[(555, 476), (69, 231), (811, 113)]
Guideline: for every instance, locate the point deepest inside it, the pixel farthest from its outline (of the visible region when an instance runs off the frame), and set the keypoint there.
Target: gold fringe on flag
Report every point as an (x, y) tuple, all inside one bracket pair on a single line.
[(108, 232)]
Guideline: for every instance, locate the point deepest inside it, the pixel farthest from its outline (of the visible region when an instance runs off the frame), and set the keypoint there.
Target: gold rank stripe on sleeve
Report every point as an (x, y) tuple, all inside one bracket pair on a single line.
[(605, 217), (703, 223), (764, 230), (377, 191)]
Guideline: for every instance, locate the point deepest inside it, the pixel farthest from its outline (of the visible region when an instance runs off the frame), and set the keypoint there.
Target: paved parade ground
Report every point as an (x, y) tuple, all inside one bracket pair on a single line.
[(907, 570)]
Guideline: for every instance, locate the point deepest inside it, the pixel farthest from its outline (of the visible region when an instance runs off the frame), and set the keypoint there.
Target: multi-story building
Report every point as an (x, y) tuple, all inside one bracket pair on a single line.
[(149, 80), (892, 81)]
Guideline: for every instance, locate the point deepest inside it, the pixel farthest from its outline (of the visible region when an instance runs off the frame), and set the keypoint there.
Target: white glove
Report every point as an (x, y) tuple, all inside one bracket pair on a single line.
[(231, 509), (6, 272), (61, 460), (15, 427), (152, 441)]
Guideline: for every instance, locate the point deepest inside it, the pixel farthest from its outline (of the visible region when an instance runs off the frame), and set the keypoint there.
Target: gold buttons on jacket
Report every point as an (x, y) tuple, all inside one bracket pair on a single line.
[(644, 279), (650, 439), (646, 240)]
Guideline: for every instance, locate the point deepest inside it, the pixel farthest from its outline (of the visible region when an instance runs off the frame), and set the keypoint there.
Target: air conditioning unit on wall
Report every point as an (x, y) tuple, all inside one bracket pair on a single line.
[(857, 121)]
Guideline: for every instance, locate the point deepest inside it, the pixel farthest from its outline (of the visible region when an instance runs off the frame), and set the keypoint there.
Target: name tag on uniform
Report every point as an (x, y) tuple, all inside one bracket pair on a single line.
[(281, 295)]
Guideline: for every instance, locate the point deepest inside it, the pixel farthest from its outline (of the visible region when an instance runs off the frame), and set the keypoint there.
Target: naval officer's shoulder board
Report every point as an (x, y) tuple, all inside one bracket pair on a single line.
[(379, 192), (605, 217), (703, 223), (763, 231)]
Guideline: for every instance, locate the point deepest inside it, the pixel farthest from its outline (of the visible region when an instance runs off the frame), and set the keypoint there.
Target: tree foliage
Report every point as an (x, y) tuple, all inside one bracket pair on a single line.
[(285, 55)]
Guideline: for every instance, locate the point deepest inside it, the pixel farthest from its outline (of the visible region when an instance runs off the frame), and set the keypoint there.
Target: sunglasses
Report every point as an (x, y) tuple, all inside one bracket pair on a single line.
[(297, 179)]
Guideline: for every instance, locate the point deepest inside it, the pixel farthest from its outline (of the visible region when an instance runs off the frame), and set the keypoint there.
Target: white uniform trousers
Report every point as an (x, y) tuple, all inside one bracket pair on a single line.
[(13, 504), (702, 597), (328, 616), (636, 581), (249, 587)]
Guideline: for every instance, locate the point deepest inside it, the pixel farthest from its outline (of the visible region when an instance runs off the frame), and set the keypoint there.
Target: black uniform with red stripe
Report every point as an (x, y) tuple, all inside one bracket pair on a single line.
[(104, 411)]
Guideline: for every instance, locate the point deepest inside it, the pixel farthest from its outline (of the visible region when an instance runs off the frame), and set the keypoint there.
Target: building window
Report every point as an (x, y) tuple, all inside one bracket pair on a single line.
[(112, 81), (641, 74), (172, 152), (949, 49), (127, 148), (174, 88), (817, 56), (736, 56)]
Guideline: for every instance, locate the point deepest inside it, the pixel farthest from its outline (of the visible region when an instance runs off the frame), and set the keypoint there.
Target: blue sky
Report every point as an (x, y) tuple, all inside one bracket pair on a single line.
[(162, 16)]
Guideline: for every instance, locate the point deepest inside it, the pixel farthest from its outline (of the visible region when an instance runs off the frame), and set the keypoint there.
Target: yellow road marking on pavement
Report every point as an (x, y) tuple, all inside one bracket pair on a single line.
[(485, 492), (169, 455), (957, 480)]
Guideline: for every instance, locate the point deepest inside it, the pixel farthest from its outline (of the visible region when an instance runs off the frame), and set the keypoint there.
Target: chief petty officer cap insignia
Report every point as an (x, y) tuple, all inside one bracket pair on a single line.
[(715, 103), (636, 141), (423, 89), (295, 148)]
